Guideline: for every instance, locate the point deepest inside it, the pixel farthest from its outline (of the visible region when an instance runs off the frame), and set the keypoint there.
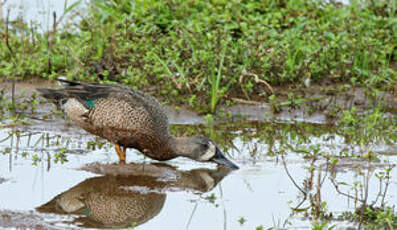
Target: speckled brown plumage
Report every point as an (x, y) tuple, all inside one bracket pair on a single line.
[(107, 202), (128, 193), (121, 120)]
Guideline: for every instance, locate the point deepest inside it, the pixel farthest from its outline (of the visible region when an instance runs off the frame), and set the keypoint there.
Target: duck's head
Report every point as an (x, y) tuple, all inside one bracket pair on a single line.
[(205, 150)]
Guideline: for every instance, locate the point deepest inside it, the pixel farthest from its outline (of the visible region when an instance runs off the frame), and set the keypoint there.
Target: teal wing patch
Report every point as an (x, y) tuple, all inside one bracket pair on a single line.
[(90, 104)]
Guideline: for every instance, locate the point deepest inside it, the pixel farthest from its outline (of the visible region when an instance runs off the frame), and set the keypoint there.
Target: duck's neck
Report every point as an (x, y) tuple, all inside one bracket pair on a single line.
[(181, 146)]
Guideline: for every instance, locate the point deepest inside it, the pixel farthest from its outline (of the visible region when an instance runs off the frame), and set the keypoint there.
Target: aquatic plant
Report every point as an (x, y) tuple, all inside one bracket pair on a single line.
[(15, 109)]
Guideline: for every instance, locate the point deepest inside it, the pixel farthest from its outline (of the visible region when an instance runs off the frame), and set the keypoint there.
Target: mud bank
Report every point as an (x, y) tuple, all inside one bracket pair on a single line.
[(318, 104)]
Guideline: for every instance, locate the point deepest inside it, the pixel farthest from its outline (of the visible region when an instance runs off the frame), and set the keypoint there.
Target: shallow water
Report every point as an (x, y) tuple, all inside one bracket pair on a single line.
[(37, 11), (90, 190)]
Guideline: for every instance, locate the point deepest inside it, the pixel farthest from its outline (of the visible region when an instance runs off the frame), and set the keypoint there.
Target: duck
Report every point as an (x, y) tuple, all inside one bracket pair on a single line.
[(129, 118), (123, 194)]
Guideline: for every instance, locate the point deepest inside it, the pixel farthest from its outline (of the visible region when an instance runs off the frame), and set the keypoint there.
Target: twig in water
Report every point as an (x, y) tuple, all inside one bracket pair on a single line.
[(342, 193), (317, 196), (13, 91), (48, 161), (191, 215), (292, 179), (379, 193), (10, 156), (386, 187), (296, 185), (224, 208)]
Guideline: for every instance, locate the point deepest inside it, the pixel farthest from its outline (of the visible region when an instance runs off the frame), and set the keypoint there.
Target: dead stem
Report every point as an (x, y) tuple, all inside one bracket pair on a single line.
[(342, 193), (366, 188), (7, 35), (32, 31), (257, 81), (317, 196), (13, 91), (242, 101), (224, 207), (54, 24), (290, 177), (191, 215), (386, 187)]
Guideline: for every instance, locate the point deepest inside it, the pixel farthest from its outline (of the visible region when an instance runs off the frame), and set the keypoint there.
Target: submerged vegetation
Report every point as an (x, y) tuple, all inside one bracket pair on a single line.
[(15, 109), (207, 52)]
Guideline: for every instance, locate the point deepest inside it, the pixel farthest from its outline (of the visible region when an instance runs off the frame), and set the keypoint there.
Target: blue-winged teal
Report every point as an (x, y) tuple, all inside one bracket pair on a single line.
[(130, 118), (128, 193)]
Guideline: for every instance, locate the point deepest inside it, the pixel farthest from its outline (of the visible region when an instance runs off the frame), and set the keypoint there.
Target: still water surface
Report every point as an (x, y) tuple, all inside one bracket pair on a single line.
[(90, 190)]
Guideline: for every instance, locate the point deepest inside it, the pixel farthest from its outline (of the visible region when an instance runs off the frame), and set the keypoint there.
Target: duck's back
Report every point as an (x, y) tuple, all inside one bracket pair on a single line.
[(126, 112)]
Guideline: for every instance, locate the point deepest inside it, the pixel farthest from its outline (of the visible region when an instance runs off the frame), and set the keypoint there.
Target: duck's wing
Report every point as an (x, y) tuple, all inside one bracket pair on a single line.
[(104, 109), (85, 93)]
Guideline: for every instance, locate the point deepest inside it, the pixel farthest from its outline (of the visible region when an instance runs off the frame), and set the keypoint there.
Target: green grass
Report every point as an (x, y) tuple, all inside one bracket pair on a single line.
[(215, 80), (196, 50)]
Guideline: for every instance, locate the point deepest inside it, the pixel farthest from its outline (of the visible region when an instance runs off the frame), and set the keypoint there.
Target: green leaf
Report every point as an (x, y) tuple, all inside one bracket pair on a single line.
[(71, 7)]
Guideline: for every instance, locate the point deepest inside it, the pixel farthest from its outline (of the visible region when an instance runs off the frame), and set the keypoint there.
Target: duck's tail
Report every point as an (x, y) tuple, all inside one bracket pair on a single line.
[(85, 93), (58, 96), (63, 81)]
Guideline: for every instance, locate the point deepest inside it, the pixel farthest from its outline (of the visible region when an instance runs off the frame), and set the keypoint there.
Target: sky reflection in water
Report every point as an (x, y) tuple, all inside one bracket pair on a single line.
[(261, 192)]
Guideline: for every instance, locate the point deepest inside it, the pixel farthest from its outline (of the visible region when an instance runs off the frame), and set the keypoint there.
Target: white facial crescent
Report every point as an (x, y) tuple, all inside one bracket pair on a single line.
[(209, 153)]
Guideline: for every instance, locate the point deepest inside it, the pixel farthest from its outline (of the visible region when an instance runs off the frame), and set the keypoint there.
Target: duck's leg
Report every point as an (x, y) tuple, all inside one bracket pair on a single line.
[(121, 153)]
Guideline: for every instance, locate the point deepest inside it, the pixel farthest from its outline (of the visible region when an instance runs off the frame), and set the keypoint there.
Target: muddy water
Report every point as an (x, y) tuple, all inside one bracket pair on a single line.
[(53, 175)]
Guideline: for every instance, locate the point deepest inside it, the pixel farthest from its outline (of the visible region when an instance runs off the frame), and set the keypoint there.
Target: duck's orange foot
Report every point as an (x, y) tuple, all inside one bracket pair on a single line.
[(120, 153)]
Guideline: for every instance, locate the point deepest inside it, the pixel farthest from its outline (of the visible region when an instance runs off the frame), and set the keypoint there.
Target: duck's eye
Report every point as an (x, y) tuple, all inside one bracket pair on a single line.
[(206, 145)]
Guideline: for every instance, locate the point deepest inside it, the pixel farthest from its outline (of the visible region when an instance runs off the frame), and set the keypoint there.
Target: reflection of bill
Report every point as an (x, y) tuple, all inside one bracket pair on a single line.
[(133, 193)]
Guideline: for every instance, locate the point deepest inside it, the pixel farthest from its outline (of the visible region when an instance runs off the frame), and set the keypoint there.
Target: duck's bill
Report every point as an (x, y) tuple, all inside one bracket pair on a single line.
[(219, 158)]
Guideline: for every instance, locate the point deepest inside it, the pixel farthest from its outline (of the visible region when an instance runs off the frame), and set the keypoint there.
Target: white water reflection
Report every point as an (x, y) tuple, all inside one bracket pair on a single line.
[(259, 192), (40, 11)]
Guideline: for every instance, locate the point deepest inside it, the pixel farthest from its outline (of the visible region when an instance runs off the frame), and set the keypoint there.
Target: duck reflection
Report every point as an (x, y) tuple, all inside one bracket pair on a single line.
[(133, 193)]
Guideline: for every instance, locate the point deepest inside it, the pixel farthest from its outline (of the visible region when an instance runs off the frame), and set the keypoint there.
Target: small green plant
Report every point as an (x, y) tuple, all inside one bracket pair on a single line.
[(15, 109), (367, 127), (373, 217), (242, 220), (36, 159), (61, 156), (321, 226), (215, 80), (210, 119), (132, 226)]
